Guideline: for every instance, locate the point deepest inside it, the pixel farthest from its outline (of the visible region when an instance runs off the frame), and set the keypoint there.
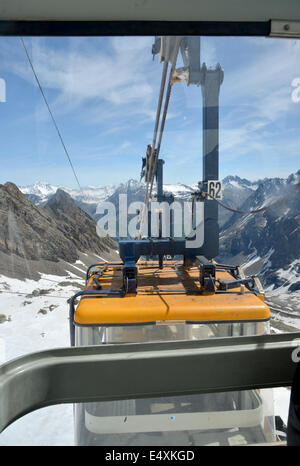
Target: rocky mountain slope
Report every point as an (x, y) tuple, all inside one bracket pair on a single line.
[(270, 239), (235, 191), (56, 232), (75, 224)]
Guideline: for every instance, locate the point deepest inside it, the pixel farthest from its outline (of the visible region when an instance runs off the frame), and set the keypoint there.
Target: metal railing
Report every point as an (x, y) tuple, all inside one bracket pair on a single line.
[(141, 370)]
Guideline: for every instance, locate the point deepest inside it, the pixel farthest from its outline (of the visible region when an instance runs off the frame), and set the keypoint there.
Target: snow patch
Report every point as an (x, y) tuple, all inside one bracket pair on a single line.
[(28, 331)]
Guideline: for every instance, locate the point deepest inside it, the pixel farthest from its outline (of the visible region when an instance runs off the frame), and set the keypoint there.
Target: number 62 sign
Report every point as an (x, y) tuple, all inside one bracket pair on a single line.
[(214, 190)]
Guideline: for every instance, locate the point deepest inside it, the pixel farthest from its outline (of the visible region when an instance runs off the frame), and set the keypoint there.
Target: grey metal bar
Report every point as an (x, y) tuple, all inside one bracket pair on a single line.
[(126, 371), (211, 82), (95, 293)]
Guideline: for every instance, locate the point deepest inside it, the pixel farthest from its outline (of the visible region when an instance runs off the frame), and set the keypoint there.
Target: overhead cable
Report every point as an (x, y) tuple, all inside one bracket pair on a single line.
[(50, 112)]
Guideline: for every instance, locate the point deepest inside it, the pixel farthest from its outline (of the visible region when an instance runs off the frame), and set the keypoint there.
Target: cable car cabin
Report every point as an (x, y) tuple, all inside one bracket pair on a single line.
[(170, 304)]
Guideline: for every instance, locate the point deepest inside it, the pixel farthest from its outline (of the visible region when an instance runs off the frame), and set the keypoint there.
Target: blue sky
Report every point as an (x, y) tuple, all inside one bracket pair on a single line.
[(104, 91)]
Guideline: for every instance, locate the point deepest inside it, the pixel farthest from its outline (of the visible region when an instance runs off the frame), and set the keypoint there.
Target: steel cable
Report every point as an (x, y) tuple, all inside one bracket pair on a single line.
[(154, 156), (50, 112), (255, 211)]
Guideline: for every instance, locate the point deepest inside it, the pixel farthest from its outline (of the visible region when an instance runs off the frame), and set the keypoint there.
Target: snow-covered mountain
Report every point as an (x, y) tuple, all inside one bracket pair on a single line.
[(237, 182), (179, 190), (40, 189), (93, 194), (275, 228), (40, 192), (269, 242), (235, 191)]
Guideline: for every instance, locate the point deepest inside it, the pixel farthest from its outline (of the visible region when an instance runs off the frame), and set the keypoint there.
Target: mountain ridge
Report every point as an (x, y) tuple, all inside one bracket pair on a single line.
[(236, 190), (56, 232), (272, 237)]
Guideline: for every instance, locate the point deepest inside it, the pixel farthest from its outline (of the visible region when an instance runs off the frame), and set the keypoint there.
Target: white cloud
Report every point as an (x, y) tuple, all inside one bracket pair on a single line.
[(117, 72), (111, 74), (113, 84), (259, 117)]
